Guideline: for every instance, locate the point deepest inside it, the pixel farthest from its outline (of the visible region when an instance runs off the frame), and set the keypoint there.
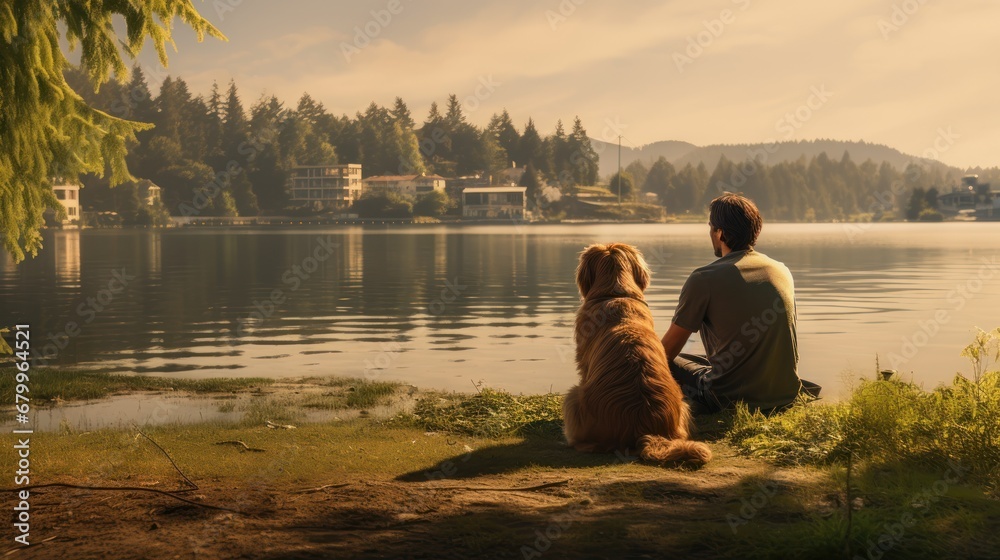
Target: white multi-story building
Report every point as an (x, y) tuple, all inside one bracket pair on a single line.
[(325, 185), (69, 197), (411, 185)]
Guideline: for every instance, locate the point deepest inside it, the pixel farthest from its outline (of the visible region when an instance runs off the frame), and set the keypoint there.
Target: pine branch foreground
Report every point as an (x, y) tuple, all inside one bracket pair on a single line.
[(47, 131)]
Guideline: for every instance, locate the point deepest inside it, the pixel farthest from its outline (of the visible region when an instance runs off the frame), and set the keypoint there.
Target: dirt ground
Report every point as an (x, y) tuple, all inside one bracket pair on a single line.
[(616, 511)]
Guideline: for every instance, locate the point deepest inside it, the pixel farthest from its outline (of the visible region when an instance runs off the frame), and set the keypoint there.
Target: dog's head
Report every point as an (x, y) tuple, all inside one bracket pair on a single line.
[(612, 270)]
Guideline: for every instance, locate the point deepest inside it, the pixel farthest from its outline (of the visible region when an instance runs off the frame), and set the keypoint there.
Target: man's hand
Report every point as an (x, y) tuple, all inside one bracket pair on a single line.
[(674, 341)]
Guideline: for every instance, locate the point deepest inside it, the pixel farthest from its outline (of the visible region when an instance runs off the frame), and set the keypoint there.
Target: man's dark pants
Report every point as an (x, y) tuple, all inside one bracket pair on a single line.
[(692, 373)]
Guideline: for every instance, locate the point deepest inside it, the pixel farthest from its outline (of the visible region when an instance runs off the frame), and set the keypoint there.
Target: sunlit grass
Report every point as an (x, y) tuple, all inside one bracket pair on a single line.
[(48, 384), (489, 413), (891, 421)]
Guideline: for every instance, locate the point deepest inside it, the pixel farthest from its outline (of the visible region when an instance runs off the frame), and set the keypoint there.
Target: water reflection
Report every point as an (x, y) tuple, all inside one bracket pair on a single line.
[(440, 306), (66, 255)]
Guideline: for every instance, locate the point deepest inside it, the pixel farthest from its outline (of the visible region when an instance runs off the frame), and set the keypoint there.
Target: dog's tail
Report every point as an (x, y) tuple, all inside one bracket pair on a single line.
[(662, 450)]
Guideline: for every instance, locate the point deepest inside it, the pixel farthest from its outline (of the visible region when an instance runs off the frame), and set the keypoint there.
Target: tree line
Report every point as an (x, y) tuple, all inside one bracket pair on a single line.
[(212, 156), (820, 188)]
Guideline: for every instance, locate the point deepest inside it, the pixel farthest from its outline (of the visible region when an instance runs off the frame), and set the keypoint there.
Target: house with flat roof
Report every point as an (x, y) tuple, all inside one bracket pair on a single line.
[(495, 203), (410, 185), (325, 186)]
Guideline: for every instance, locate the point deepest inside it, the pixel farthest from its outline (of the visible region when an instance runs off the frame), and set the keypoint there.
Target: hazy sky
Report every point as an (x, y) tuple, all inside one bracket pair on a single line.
[(918, 75)]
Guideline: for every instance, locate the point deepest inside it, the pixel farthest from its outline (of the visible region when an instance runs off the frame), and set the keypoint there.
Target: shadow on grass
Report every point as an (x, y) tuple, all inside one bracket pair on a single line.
[(534, 451)]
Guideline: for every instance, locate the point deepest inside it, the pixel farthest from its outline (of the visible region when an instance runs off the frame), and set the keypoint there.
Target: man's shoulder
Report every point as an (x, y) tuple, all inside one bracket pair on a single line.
[(773, 263)]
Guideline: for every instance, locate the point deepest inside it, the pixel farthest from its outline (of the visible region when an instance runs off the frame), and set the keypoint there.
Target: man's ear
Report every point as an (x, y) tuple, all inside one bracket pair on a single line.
[(586, 272)]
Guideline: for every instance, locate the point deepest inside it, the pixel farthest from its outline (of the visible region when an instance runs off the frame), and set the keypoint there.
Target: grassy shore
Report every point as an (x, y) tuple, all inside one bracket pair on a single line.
[(893, 471)]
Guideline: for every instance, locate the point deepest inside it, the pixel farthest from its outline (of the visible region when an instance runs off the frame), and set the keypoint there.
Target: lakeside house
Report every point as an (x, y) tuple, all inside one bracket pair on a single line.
[(410, 185), (972, 198), (149, 192), (325, 186), (494, 203), (68, 196)]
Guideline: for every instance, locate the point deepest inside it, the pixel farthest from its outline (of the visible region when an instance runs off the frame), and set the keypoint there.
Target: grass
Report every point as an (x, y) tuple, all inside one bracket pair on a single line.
[(891, 422), (49, 385), (490, 413)]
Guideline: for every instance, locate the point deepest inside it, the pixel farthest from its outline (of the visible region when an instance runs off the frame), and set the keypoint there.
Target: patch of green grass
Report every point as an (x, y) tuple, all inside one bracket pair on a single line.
[(371, 393), (48, 384), (891, 421), (257, 412), (490, 413), (349, 393), (325, 453)]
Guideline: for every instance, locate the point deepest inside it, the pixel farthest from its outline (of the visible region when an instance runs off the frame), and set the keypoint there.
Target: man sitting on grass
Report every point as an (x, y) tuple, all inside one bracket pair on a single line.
[(743, 304)]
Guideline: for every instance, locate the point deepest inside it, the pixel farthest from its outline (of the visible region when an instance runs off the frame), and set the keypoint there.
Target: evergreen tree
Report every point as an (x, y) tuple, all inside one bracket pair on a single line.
[(660, 180), (918, 202), (531, 149), (584, 161), (435, 143), (557, 147), (531, 180), (269, 170), (502, 128), (401, 114)]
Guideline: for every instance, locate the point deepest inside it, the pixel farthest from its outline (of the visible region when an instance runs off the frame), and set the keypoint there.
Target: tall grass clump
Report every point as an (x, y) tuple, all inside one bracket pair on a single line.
[(891, 421), (491, 413)]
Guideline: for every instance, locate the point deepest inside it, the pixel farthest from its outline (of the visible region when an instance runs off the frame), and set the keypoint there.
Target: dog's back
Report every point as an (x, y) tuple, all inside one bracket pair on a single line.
[(627, 399)]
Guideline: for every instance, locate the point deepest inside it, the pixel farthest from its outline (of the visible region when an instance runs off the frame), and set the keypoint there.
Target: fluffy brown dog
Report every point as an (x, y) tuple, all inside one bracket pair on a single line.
[(626, 398)]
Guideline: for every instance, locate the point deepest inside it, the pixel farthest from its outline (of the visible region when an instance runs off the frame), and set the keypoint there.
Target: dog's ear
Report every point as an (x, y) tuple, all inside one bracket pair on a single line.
[(586, 272), (640, 270), (634, 263)]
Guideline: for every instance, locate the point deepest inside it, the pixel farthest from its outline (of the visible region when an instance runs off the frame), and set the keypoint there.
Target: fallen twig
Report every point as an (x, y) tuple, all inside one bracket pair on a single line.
[(497, 489), (319, 488), (274, 426), (241, 445), (169, 458)]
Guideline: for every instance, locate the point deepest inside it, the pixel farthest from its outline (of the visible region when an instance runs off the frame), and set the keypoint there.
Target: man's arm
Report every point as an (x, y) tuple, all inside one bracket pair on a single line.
[(674, 341)]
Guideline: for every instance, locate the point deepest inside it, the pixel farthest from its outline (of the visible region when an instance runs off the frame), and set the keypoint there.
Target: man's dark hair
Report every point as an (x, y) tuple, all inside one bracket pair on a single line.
[(738, 218)]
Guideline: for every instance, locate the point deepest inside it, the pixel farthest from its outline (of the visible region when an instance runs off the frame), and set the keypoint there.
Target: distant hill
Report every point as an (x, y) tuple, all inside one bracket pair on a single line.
[(682, 153)]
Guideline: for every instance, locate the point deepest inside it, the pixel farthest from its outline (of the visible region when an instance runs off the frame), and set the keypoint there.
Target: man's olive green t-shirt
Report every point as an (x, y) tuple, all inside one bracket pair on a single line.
[(744, 306)]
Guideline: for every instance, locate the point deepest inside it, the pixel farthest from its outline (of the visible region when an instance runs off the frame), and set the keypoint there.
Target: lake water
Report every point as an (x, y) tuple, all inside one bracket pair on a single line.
[(449, 306)]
